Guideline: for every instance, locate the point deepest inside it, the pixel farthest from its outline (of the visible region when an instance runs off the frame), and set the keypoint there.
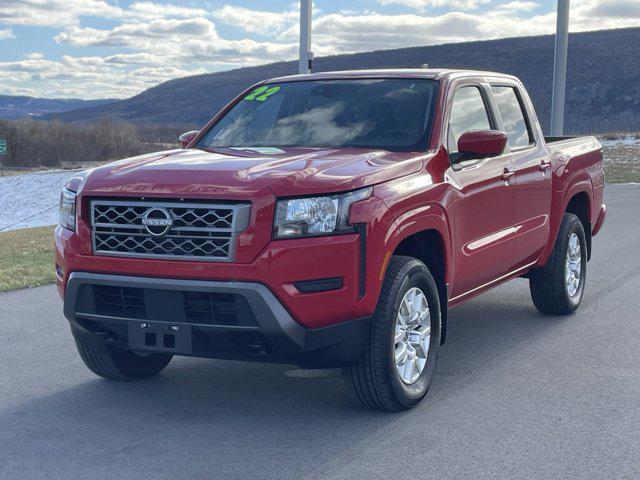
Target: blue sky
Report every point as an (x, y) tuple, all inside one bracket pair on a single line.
[(117, 48)]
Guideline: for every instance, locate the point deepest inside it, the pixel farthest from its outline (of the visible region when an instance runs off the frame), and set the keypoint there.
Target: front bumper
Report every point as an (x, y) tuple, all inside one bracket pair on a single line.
[(279, 267), (214, 319)]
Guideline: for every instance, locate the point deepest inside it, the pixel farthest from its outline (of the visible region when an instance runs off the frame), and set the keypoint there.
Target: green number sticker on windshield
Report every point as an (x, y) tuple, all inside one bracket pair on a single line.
[(262, 94)]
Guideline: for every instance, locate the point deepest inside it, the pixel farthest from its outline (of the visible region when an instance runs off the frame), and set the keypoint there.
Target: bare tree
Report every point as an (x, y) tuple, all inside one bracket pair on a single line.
[(54, 143)]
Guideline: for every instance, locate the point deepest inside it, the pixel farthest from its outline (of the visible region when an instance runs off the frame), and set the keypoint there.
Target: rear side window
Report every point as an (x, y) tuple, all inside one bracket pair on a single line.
[(468, 112), (513, 117)]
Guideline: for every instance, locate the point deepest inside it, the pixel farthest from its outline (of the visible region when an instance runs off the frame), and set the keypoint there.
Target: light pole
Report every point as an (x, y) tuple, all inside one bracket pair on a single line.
[(306, 55), (560, 69)]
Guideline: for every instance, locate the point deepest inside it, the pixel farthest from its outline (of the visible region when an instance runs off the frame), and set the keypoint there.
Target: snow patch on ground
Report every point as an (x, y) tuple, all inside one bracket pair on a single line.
[(31, 199), (614, 142)]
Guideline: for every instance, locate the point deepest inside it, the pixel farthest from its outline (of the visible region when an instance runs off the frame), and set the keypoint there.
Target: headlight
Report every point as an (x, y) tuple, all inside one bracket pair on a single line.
[(307, 217), (68, 209)]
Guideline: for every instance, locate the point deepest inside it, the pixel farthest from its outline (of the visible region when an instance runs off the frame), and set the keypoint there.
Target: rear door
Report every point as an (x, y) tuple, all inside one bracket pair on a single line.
[(533, 182), (485, 205)]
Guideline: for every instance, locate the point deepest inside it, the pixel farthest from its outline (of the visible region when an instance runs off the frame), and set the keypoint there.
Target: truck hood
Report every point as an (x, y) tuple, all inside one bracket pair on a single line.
[(240, 173)]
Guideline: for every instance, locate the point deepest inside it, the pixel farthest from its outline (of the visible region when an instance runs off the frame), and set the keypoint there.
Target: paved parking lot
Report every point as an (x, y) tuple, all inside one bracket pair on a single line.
[(517, 395)]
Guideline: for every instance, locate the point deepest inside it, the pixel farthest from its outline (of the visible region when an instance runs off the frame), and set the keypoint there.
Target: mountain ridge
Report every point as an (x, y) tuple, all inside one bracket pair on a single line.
[(14, 107)]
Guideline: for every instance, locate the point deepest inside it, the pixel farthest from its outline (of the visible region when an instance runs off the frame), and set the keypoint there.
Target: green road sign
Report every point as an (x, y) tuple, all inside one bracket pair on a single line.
[(3, 146)]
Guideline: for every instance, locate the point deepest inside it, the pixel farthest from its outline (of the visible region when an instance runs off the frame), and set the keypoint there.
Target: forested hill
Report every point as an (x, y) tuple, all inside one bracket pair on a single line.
[(603, 85)]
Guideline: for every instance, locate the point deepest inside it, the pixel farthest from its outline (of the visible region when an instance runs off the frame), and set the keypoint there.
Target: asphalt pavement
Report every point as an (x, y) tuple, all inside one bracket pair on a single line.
[(517, 395)]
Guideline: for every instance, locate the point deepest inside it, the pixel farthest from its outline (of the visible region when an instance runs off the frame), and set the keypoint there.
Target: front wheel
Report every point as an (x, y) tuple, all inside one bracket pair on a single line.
[(116, 364), (558, 287), (399, 360)]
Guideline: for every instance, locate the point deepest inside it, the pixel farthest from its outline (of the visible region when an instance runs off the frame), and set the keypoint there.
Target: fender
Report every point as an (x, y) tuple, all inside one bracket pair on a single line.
[(386, 231), (429, 217), (426, 217), (564, 190)]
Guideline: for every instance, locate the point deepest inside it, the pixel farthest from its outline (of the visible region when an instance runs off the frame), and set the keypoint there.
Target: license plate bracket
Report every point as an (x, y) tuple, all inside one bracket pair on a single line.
[(162, 337)]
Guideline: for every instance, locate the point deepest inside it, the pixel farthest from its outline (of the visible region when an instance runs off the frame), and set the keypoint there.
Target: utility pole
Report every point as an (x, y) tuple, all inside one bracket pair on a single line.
[(560, 69), (306, 55)]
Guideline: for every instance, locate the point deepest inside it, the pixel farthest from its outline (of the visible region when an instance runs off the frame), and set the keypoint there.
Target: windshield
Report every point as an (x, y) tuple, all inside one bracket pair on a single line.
[(390, 114)]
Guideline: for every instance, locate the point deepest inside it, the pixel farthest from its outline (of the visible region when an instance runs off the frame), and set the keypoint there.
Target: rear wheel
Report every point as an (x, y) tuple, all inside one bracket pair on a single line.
[(117, 364), (558, 287), (398, 363)]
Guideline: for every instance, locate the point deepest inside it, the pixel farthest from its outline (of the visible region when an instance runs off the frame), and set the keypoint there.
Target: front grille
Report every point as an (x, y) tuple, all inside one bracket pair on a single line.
[(167, 230), (205, 308)]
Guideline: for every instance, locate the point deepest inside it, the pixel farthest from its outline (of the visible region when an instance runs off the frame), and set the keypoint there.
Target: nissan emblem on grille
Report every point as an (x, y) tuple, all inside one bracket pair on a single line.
[(158, 221), (169, 230)]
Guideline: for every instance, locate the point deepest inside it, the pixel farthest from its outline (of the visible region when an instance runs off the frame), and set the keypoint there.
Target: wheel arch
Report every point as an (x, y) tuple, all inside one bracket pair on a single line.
[(580, 205), (425, 235), (577, 197)]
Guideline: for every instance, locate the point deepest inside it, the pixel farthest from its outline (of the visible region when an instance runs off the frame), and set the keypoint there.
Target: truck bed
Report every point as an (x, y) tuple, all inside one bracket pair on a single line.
[(572, 146)]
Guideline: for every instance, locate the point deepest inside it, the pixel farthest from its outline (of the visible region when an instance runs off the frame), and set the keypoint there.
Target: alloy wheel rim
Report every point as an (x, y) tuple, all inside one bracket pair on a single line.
[(412, 335), (573, 265)]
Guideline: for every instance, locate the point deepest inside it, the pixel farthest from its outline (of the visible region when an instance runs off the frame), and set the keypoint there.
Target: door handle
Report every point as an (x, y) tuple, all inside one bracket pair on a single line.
[(507, 174), (545, 166)]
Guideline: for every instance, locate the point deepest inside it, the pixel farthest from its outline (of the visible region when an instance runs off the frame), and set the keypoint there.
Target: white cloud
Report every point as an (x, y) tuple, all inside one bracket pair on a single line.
[(6, 33), (177, 41), (339, 33), (153, 49), (375, 31), (422, 5), (54, 13), (142, 35), (519, 5), (34, 56), (88, 77), (257, 21), (17, 91), (135, 59), (62, 13), (612, 8), (150, 10), (154, 42)]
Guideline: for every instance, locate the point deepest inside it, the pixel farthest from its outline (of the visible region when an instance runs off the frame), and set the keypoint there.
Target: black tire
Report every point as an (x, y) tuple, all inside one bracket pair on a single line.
[(548, 288), (374, 382), (117, 364)]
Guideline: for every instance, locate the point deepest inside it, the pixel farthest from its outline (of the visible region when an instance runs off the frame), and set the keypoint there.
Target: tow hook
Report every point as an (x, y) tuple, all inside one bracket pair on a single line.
[(107, 336), (260, 349)]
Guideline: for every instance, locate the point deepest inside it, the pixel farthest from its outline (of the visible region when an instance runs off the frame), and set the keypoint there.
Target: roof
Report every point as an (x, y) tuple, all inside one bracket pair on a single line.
[(428, 73)]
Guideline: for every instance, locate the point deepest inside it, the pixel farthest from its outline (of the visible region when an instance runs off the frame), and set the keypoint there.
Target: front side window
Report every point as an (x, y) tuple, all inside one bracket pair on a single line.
[(391, 114), (468, 112), (513, 117)]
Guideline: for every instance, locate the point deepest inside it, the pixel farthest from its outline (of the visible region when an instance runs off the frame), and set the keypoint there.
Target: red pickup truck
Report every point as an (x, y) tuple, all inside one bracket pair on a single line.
[(328, 220)]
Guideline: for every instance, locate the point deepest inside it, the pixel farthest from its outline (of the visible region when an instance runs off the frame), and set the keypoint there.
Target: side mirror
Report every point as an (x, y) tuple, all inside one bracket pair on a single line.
[(481, 144), (185, 138)]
